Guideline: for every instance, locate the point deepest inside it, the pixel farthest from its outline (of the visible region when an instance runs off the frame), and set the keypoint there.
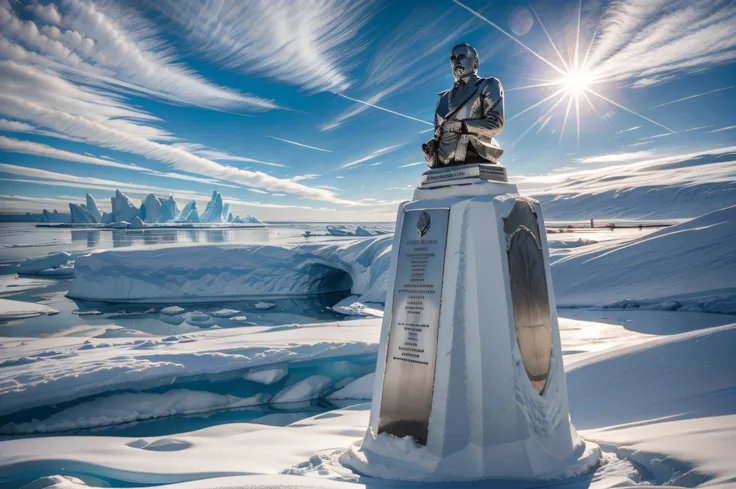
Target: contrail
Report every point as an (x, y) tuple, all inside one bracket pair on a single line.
[(510, 36), (629, 110), (549, 37), (383, 109), (300, 144), (694, 96)]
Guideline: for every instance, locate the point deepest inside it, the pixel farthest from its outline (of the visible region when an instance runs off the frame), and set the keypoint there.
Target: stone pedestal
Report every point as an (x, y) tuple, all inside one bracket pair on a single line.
[(470, 381)]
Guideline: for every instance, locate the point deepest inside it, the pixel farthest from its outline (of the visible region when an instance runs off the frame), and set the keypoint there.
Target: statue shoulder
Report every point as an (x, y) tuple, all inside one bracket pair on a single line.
[(491, 85)]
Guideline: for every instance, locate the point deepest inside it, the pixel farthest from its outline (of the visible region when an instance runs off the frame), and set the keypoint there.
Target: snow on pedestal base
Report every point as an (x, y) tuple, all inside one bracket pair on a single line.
[(487, 418)]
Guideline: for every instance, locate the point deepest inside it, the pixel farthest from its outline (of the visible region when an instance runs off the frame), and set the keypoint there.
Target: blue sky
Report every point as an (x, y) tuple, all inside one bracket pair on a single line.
[(316, 110)]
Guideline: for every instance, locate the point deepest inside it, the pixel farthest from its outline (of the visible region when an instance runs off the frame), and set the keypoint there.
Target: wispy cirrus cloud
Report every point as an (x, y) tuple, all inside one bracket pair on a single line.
[(29, 147), (45, 177), (39, 97), (650, 41), (111, 47), (308, 43)]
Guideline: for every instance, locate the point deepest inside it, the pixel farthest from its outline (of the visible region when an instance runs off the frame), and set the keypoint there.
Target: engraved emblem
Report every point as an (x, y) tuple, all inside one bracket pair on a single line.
[(423, 224)]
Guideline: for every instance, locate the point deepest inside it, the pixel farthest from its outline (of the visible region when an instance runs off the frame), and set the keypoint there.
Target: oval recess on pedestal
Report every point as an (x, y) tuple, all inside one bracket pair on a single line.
[(529, 293)]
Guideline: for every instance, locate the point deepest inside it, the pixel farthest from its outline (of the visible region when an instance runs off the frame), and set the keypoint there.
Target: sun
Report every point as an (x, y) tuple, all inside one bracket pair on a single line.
[(573, 86), (577, 81)]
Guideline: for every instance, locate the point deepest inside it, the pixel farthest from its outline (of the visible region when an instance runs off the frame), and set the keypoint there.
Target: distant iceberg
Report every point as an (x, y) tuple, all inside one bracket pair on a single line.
[(187, 210), (123, 208), (80, 214), (173, 207), (214, 209), (150, 209), (153, 210), (92, 208)]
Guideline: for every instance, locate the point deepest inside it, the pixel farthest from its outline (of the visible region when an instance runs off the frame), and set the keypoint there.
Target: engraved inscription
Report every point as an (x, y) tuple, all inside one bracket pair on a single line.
[(408, 381)]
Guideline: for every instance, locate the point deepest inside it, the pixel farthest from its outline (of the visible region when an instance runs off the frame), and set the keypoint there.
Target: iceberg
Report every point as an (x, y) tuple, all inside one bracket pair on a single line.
[(12, 310), (80, 214), (137, 223), (172, 207), (230, 217), (166, 215), (184, 215), (213, 211), (217, 273), (225, 212), (361, 231), (32, 266), (251, 220), (47, 216), (193, 215), (123, 208), (153, 209), (93, 209), (338, 231)]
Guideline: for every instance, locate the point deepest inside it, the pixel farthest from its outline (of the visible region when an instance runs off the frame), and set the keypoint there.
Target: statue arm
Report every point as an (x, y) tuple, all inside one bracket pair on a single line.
[(492, 120)]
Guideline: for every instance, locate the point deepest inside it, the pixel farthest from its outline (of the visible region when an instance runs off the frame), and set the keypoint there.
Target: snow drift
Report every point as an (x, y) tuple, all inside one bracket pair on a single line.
[(691, 266), (229, 272)]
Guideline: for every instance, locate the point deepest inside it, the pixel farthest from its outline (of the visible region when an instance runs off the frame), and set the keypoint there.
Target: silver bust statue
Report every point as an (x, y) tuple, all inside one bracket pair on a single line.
[(468, 116)]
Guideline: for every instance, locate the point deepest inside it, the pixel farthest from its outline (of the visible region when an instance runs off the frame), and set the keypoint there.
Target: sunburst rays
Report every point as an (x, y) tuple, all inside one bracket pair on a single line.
[(575, 82)]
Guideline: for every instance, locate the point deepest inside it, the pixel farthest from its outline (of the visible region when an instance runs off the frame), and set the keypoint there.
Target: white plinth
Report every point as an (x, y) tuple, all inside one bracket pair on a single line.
[(487, 419)]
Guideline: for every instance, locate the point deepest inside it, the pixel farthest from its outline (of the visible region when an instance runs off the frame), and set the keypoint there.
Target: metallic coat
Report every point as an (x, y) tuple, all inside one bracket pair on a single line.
[(479, 105)]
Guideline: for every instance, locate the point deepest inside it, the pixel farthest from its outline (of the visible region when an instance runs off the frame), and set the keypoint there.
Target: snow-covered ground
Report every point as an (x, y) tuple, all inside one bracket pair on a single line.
[(689, 267), (687, 185), (667, 403)]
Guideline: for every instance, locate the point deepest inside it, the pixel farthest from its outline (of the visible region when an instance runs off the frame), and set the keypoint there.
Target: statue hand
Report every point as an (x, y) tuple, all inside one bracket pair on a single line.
[(457, 127)]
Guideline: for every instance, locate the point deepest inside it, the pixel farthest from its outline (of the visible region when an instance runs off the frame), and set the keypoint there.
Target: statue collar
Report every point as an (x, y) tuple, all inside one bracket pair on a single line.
[(469, 79)]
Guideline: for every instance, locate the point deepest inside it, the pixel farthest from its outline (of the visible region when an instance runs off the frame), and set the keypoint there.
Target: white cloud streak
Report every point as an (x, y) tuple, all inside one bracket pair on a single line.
[(112, 48), (628, 130), (45, 100), (300, 144), (727, 128), (308, 43), (617, 157), (375, 154), (413, 164), (695, 96), (658, 39)]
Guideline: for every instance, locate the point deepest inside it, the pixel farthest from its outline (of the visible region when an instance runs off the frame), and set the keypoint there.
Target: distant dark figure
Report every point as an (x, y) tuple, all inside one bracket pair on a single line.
[(591, 224), (640, 227)]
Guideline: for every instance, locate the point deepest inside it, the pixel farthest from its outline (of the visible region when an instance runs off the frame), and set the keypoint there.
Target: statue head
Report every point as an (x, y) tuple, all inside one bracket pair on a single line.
[(464, 60)]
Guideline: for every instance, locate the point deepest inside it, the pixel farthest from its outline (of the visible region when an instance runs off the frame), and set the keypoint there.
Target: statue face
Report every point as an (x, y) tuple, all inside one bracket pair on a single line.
[(461, 62)]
